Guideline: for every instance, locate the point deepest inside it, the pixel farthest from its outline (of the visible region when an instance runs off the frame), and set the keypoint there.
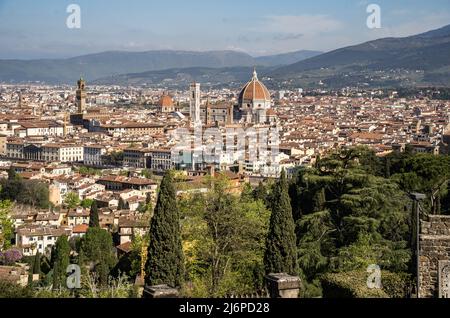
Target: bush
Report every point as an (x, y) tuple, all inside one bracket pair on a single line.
[(12, 290), (10, 257), (354, 285), (396, 285)]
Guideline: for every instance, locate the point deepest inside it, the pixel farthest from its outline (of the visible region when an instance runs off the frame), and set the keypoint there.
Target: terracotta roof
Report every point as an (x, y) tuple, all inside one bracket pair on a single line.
[(80, 228), (271, 112), (254, 90), (166, 101), (125, 247)]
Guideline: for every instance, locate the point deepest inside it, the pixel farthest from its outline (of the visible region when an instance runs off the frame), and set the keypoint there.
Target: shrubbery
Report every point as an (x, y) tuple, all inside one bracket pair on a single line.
[(354, 285), (12, 290)]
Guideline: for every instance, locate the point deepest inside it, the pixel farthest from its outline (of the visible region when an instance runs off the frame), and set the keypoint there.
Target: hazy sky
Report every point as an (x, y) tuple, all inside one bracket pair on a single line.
[(37, 28)]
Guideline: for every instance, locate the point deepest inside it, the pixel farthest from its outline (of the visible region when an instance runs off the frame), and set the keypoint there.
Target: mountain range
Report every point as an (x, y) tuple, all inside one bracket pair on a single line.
[(95, 66), (422, 59), (414, 61)]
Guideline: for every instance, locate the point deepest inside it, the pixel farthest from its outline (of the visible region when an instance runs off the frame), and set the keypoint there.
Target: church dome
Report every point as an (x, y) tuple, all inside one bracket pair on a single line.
[(254, 90), (166, 101)]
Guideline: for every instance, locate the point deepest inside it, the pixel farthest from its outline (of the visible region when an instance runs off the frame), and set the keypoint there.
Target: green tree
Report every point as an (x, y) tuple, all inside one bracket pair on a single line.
[(86, 203), (13, 290), (93, 216), (260, 192), (247, 192), (365, 218), (12, 175), (6, 225), (122, 205), (424, 173), (97, 252), (224, 240), (61, 261), (35, 268), (147, 173), (37, 263), (281, 245), (34, 193), (72, 200), (165, 261)]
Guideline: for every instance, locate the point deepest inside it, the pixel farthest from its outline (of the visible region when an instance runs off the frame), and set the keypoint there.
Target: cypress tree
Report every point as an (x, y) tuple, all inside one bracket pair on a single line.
[(37, 263), (97, 250), (165, 262), (281, 250), (93, 215), (122, 205), (387, 168), (35, 268), (61, 261)]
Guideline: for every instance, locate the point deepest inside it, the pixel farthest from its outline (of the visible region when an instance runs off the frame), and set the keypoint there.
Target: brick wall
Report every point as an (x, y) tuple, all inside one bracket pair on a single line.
[(434, 247)]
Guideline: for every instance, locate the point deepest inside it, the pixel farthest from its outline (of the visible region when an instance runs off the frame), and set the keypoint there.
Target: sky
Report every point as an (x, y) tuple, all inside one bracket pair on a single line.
[(32, 29)]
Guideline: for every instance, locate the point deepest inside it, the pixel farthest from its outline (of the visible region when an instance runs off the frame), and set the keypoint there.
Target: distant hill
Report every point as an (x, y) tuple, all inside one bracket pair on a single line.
[(182, 77), (105, 64), (414, 61), (286, 58), (422, 59)]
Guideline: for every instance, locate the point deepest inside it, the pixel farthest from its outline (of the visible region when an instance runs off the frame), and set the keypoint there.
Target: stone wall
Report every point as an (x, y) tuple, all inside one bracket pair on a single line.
[(434, 247)]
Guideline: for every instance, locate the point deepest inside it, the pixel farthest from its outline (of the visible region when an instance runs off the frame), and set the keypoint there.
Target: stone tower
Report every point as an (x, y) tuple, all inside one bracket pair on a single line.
[(81, 96), (194, 103)]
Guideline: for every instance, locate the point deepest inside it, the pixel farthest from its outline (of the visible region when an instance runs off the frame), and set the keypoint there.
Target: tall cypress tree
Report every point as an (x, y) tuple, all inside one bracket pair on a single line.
[(35, 268), (37, 263), (281, 249), (122, 205), (61, 261), (165, 261), (93, 215), (97, 250)]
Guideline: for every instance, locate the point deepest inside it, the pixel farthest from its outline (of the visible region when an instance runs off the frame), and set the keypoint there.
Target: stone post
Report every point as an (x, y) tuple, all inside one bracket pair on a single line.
[(160, 291), (281, 285)]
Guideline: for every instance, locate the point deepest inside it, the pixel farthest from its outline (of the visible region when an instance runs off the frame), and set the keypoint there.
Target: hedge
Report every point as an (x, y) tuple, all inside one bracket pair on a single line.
[(354, 285)]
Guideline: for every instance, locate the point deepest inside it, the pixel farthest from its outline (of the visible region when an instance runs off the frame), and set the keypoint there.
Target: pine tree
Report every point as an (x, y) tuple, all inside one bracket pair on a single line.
[(93, 215), (165, 262), (281, 249), (61, 261)]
